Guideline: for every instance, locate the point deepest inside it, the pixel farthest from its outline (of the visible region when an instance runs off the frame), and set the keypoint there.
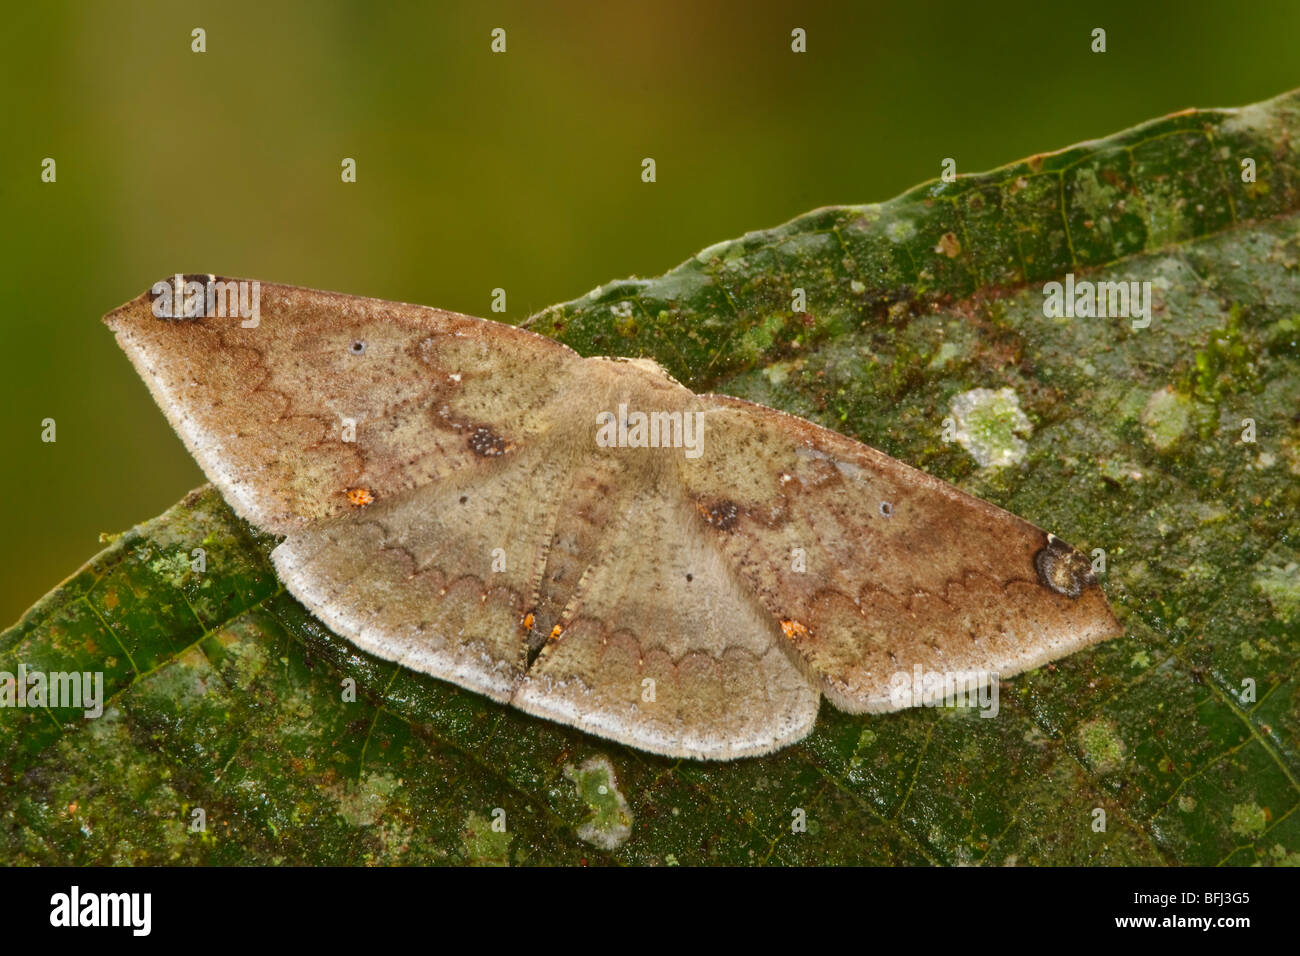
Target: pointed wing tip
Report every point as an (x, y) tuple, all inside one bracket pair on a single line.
[(1111, 628), (118, 319), (1089, 622), (1104, 626), (140, 307), (1065, 571), (133, 310)]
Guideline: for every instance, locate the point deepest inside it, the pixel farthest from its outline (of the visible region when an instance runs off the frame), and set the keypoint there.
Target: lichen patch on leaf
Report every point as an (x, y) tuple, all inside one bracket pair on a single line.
[(1166, 418), (483, 845), (610, 823), (989, 424), (1280, 586), (1248, 819), (362, 802), (1102, 746)]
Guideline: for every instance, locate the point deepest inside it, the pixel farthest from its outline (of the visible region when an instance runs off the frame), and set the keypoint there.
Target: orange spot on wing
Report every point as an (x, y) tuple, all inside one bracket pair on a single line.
[(556, 632), (360, 497), (528, 621), (794, 630)]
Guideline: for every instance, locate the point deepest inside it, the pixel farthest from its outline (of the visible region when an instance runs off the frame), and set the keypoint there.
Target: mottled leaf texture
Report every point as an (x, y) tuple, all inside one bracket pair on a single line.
[(224, 693), (448, 503)]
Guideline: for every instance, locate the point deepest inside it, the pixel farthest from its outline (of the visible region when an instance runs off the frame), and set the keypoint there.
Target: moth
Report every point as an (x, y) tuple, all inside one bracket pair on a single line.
[(586, 539)]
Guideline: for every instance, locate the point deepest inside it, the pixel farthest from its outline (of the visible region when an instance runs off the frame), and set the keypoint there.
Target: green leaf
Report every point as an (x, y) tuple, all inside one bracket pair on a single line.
[(226, 696)]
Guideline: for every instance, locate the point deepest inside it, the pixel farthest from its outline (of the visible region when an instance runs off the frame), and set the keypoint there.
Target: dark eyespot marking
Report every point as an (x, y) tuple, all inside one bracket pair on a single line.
[(723, 515), (179, 298), (357, 348), (1062, 569), (886, 509), (486, 443), (690, 577)]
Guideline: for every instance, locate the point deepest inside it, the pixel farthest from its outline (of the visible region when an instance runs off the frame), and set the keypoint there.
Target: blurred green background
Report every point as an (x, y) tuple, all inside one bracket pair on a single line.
[(477, 170)]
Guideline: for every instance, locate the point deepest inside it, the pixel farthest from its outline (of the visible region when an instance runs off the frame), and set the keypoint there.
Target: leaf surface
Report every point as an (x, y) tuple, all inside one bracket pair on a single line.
[(224, 695)]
